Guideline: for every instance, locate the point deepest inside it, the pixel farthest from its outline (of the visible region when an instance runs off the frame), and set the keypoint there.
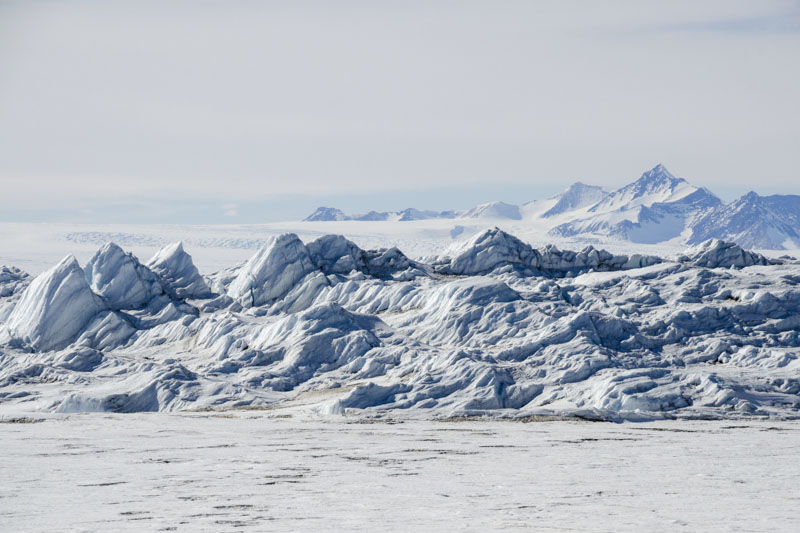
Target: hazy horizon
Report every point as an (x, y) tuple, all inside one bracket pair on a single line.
[(210, 112)]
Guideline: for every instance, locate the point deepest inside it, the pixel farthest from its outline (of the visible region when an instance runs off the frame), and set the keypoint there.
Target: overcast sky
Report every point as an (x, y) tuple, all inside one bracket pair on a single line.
[(250, 111)]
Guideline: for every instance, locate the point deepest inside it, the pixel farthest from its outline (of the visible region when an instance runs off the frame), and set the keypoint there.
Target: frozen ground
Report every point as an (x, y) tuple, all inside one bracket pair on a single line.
[(269, 471)]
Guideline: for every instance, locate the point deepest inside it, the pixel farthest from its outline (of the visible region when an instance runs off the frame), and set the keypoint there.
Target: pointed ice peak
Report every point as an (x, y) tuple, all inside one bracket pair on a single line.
[(167, 254), (109, 251), (120, 278), (750, 197), (178, 272), (68, 264), (658, 174), (54, 308), (751, 204), (272, 271), (578, 186), (174, 249)]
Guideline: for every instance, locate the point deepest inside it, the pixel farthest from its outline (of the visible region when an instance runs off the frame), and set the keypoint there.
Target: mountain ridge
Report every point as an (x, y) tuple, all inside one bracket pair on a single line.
[(655, 208)]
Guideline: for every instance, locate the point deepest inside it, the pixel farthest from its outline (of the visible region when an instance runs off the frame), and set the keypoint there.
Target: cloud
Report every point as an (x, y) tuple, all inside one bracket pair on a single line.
[(230, 210)]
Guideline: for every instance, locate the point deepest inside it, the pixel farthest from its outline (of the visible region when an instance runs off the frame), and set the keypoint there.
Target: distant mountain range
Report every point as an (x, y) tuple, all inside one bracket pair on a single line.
[(656, 208), (330, 214)]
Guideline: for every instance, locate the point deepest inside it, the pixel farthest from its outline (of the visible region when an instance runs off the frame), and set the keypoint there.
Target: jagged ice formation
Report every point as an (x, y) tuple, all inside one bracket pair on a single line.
[(493, 326)]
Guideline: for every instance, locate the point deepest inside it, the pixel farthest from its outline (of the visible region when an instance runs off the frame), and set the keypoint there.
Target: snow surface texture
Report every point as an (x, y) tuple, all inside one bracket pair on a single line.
[(491, 326), (656, 208), (277, 470)]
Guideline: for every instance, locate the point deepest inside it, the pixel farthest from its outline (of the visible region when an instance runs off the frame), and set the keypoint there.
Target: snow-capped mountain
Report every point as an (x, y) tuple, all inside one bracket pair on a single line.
[(656, 208), (576, 196), (769, 222), (657, 185), (326, 214), (494, 210)]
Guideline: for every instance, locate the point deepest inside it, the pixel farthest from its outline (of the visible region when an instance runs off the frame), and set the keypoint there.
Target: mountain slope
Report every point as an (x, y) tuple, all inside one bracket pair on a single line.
[(326, 214), (656, 207), (576, 196), (753, 221), (494, 210)]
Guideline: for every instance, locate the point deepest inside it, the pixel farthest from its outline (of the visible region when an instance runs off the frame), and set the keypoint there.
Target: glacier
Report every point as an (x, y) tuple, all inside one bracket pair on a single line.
[(490, 326)]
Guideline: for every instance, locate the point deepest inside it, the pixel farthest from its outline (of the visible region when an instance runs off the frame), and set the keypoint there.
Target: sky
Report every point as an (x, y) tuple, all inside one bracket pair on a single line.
[(244, 111)]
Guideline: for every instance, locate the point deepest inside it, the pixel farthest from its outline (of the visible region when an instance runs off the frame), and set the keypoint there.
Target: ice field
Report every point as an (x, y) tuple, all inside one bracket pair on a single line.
[(274, 471)]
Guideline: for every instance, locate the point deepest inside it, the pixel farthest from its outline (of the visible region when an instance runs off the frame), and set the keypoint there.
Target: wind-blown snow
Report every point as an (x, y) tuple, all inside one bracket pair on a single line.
[(492, 325)]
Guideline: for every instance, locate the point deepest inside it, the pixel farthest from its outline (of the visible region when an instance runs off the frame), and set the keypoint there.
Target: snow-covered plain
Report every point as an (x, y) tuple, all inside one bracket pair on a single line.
[(276, 471), (36, 247)]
